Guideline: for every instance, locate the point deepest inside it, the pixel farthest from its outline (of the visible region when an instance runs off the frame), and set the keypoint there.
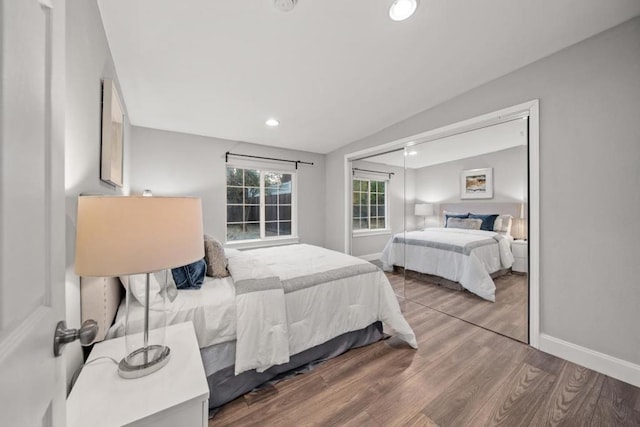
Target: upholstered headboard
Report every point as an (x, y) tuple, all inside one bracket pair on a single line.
[(99, 300), (512, 209)]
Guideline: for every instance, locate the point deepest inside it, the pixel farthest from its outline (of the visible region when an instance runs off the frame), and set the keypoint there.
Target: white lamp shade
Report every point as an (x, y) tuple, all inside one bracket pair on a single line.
[(423, 209), (519, 228), (130, 235)]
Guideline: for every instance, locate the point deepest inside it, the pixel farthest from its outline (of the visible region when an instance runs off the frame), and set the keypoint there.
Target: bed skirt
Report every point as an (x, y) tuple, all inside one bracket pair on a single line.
[(224, 386)]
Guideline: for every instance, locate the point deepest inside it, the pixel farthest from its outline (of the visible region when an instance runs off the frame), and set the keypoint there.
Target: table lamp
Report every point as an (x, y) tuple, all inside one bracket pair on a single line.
[(118, 236), (423, 209)]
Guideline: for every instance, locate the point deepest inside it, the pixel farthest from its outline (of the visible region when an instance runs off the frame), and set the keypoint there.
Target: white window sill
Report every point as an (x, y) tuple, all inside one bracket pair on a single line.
[(260, 243), (366, 233)]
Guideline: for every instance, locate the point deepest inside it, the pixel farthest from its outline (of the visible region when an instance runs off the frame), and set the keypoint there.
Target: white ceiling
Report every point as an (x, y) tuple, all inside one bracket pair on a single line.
[(332, 71), (460, 146)]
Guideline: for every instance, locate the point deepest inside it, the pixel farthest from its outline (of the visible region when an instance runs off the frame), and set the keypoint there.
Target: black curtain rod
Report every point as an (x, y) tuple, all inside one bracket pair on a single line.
[(353, 171), (227, 154)]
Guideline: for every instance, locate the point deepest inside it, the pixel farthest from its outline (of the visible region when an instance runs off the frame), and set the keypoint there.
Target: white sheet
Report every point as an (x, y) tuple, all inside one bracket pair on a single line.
[(211, 308), (471, 270)]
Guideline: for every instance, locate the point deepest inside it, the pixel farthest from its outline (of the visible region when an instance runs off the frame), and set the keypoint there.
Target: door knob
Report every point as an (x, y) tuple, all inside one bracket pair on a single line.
[(86, 334)]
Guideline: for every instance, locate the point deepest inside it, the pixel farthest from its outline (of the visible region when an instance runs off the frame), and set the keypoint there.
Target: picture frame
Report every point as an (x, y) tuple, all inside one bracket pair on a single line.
[(112, 143), (476, 184)]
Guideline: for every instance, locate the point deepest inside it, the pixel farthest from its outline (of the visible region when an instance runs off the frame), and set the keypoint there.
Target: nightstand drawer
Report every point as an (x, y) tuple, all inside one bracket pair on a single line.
[(520, 249)]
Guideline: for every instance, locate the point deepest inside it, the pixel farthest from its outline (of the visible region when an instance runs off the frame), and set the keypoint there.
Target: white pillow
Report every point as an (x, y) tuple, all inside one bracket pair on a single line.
[(502, 225), (135, 283), (464, 223)]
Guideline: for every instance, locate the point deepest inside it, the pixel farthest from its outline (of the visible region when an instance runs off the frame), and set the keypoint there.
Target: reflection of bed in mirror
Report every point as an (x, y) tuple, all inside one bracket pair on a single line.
[(470, 248)]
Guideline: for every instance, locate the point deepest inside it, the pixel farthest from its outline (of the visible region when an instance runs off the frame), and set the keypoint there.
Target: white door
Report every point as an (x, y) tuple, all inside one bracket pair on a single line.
[(32, 211)]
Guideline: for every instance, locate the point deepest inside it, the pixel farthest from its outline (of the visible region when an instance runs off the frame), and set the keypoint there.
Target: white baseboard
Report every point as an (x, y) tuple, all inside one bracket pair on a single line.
[(600, 362), (371, 257)]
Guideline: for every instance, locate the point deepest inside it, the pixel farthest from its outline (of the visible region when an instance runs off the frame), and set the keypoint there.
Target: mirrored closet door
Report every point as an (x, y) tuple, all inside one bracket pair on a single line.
[(465, 238)]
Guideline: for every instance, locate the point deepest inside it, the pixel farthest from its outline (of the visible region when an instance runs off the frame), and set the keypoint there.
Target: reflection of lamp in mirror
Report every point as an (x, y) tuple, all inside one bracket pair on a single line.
[(423, 210), (519, 228)]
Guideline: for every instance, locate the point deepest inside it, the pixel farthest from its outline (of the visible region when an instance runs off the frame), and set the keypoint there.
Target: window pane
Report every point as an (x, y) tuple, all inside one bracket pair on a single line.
[(234, 195), (251, 178), (271, 213), (252, 213), (271, 199), (234, 176), (381, 199), (285, 213), (364, 186), (285, 228), (285, 198), (356, 211), (374, 186), (234, 232), (252, 231), (364, 211), (382, 186), (356, 185), (234, 213), (286, 177), (271, 229), (380, 210), (272, 179), (364, 199), (252, 196)]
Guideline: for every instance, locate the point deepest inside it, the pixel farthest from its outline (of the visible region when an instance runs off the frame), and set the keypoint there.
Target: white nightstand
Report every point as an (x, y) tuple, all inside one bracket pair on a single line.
[(176, 395), (520, 249)]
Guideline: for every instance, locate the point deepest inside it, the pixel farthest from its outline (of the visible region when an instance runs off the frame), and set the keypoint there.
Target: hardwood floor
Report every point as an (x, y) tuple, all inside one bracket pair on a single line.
[(461, 375), (507, 316)]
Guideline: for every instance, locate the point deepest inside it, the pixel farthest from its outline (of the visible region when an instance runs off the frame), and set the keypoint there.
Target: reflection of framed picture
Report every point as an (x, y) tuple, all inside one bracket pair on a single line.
[(111, 160), (476, 184)]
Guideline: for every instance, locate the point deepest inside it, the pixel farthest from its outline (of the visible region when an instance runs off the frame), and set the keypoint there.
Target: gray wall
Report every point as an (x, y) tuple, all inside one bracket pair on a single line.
[(589, 158), (171, 163), (88, 62), (441, 183)]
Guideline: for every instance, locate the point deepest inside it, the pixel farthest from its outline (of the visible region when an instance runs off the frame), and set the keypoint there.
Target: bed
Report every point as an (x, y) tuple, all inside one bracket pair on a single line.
[(313, 304), (467, 257)]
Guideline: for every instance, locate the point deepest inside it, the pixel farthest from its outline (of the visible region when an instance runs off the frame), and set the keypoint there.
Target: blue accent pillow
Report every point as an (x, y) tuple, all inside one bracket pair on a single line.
[(487, 220), (190, 276), (453, 215)]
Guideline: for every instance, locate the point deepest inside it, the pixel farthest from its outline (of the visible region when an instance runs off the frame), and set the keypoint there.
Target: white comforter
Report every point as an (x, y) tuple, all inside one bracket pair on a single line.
[(315, 310), (325, 296), (464, 256)]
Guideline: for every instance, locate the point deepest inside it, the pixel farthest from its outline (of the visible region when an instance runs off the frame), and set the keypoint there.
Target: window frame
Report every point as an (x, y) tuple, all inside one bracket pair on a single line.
[(264, 240), (372, 231)]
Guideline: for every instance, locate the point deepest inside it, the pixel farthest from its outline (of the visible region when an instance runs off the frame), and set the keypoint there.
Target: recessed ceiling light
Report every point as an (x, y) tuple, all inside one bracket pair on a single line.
[(402, 9), (272, 123), (410, 153)]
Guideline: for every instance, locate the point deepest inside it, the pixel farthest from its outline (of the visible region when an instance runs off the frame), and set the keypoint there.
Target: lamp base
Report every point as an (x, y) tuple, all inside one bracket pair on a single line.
[(143, 361)]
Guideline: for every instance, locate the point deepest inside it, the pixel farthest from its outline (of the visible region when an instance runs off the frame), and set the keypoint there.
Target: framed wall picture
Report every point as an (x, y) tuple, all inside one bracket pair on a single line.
[(476, 184), (111, 156)]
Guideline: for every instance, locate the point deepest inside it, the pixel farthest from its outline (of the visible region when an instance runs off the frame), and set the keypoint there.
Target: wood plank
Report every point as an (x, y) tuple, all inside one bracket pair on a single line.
[(616, 404), (572, 399), (470, 392), (516, 401)]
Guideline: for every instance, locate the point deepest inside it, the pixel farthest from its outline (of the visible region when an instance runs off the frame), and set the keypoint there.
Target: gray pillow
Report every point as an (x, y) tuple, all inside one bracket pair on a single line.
[(465, 223), (214, 257)]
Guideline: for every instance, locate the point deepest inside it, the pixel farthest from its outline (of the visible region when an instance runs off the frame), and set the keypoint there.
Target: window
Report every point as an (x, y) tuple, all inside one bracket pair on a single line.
[(260, 204), (369, 204)]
